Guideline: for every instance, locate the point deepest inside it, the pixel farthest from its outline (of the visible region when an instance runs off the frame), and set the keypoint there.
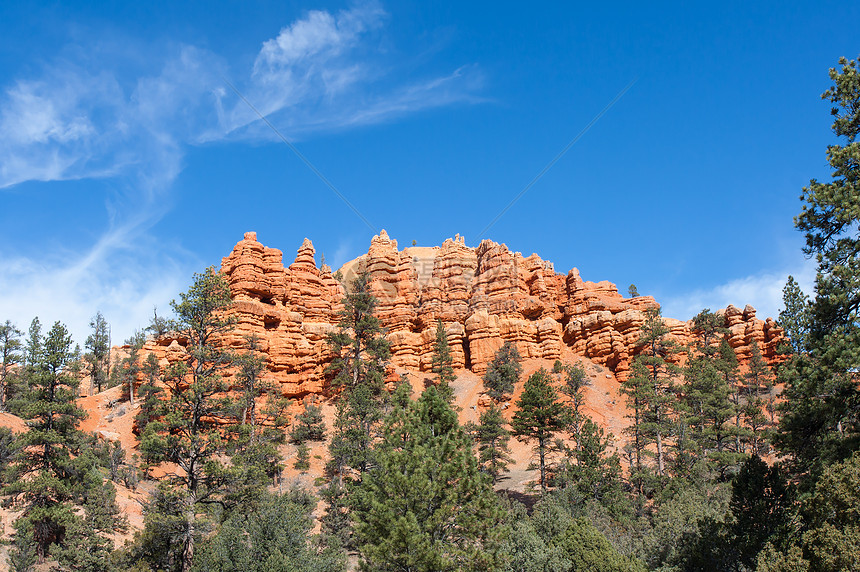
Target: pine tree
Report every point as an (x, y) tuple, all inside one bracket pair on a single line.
[(441, 363), (574, 383), (425, 505), (148, 393), (49, 476), (820, 422), (758, 381), (358, 367), (707, 394), (635, 389), (795, 315), (250, 375), (540, 415), (359, 348), (10, 355), (98, 344), (186, 432), (274, 536), (657, 406), (492, 438), (503, 372), (308, 425), (129, 368), (303, 457), (590, 472)]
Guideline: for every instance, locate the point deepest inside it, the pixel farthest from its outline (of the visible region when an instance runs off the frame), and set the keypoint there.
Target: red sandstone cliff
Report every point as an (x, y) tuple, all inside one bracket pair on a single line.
[(484, 296)]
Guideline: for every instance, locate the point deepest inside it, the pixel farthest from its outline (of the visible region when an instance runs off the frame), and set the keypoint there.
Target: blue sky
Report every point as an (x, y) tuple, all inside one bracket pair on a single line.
[(127, 162)]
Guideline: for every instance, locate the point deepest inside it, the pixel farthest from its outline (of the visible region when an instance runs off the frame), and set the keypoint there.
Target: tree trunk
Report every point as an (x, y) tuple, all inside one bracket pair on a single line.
[(188, 549), (542, 454)]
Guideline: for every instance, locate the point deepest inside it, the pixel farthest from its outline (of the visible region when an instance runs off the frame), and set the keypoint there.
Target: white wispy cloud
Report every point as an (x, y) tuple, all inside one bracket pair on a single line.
[(85, 118), (762, 291)]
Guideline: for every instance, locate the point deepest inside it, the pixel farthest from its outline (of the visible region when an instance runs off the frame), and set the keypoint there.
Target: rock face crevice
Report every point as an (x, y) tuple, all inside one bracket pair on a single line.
[(484, 296)]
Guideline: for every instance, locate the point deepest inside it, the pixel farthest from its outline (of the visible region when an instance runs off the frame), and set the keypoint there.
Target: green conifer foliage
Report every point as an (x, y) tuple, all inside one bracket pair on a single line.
[(361, 353), (274, 536), (492, 438), (186, 432), (49, 476), (308, 425), (540, 415), (441, 363), (503, 372), (820, 421), (426, 505), (98, 344), (10, 355), (795, 315)]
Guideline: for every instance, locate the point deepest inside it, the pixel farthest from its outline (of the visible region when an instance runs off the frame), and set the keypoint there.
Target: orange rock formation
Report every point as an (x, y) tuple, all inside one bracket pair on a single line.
[(484, 297)]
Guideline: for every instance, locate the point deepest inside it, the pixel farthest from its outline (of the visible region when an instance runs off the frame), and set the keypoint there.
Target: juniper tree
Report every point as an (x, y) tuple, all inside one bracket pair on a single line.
[(441, 363), (503, 372), (540, 415)]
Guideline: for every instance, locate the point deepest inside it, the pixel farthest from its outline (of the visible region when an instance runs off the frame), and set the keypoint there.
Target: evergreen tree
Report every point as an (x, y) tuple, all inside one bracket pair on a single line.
[(186, 432), (794, 317), (441, 363), (303, 457), (50, 476), (658, 397), (361, 353), (274, 536), (591, 473), (540, 415), (10, 356), (129, 367), (98, 344), (635, 389), (762, 504), (820, 422), (149, 393), (252, 385), (729, 367), (425, 505), (758, 382), (574, 383), (359, 348), (707, 394), (503, 372), (33, 345), (492, 438), (308, 425)]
